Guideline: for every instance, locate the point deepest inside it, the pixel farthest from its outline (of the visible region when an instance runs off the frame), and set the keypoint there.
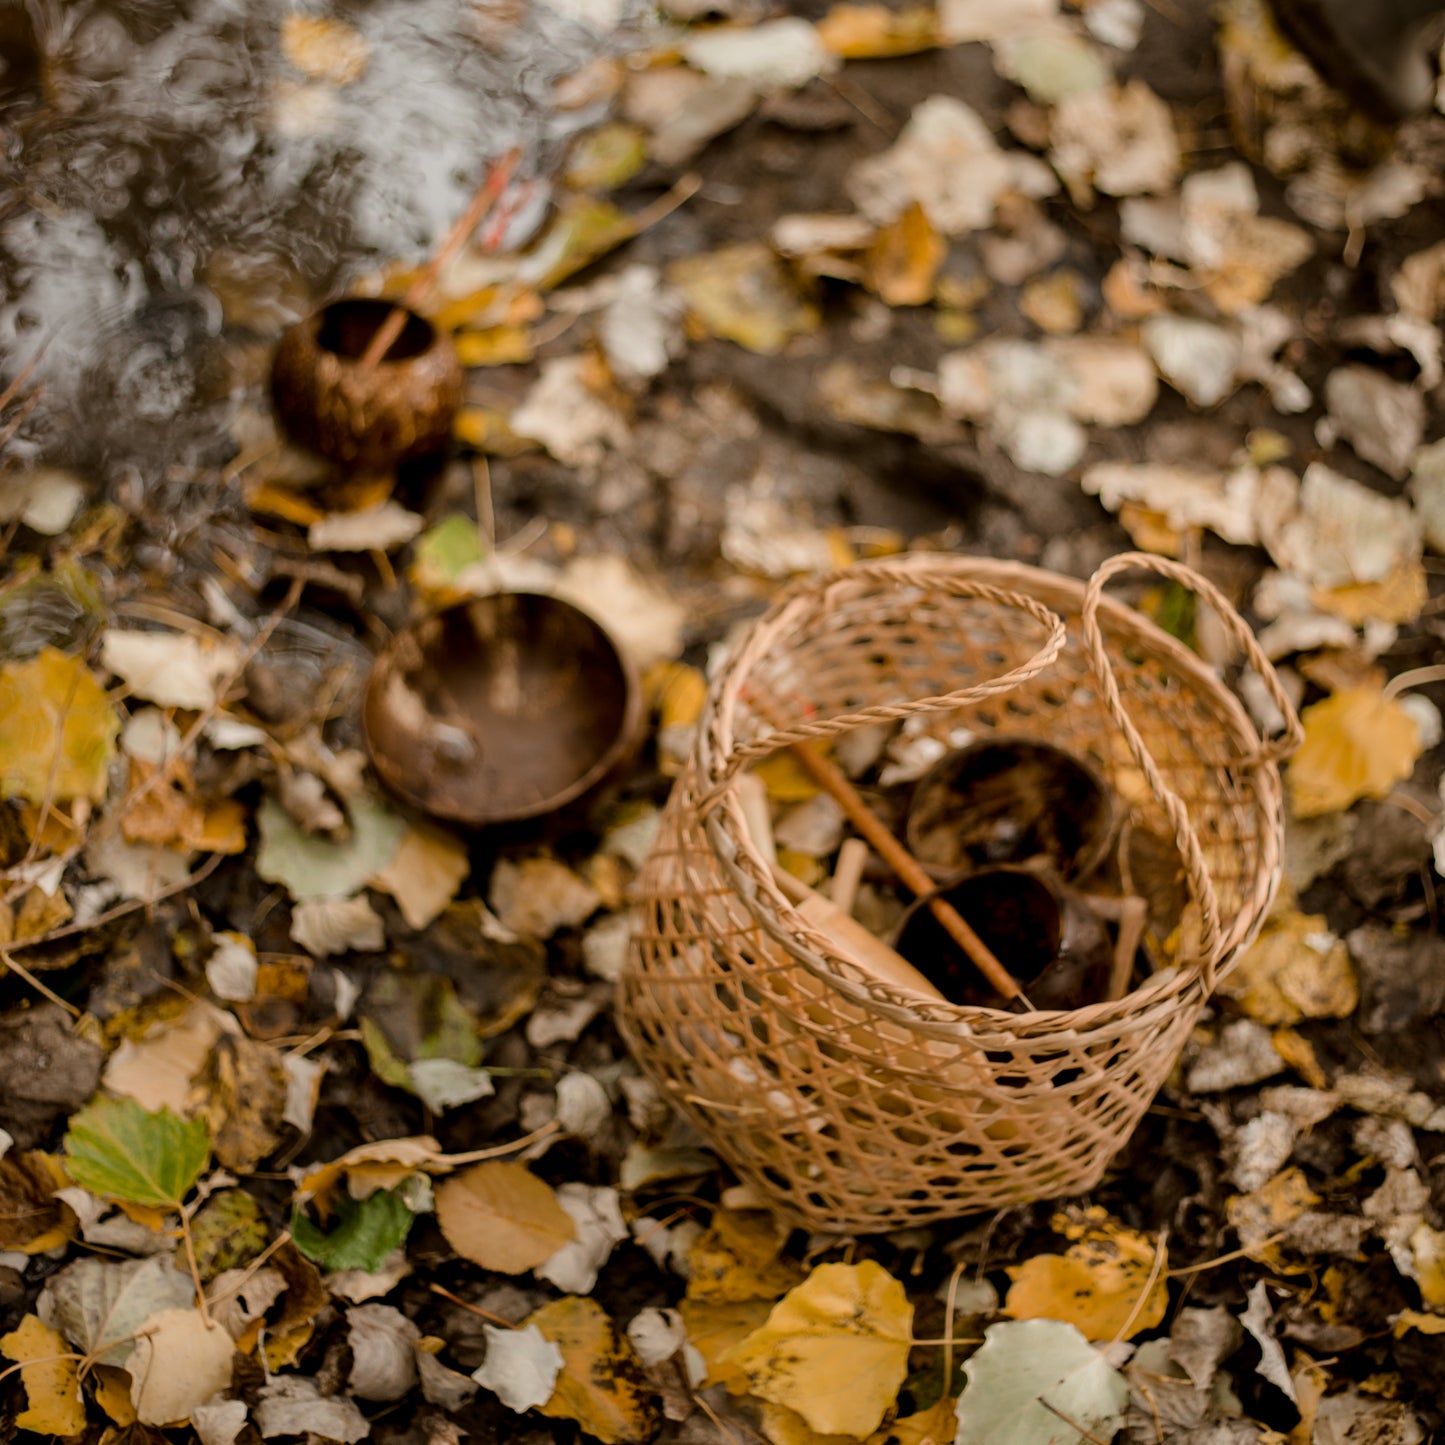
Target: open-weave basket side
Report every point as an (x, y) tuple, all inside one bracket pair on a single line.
[(858, 1108)]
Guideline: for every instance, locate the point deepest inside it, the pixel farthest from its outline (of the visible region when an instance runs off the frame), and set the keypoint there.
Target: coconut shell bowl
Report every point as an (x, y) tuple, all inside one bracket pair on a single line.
[(500, 709), (366, 418)]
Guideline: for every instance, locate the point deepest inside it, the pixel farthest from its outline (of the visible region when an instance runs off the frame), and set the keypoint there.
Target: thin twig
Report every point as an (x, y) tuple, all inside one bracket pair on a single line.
[(497, 179), (1415, 677), (1161, 1253), (20, 971), (475, 1309)]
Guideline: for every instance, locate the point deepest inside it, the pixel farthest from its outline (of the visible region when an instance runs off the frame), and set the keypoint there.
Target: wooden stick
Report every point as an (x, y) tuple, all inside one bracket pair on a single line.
[(497, 179), (852, 858), (1131, 916), (910, 871)]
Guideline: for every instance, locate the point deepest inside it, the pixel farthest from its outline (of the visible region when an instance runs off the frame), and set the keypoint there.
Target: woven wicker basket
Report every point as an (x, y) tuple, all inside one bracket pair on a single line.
[(859, 1107)]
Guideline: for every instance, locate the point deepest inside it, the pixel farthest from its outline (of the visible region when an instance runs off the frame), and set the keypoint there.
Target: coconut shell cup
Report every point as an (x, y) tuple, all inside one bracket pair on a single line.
[(366, 420)]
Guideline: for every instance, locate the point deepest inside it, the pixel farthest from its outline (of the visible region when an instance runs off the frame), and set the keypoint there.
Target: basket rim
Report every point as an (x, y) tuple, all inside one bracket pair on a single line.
[(751, 880)]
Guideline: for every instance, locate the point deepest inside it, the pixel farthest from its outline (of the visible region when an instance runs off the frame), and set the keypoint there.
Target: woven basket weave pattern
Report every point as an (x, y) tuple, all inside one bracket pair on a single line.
[(857, 1107)]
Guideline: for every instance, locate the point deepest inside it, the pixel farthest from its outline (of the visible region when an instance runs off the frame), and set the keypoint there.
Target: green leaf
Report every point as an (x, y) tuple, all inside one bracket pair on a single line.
[(1039, 1382), (311, 866), (120, 1150), (368, 1230)]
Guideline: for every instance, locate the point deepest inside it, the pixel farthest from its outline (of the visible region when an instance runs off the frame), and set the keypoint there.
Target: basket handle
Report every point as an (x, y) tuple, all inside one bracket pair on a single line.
[(733, 686), (1200, 883)]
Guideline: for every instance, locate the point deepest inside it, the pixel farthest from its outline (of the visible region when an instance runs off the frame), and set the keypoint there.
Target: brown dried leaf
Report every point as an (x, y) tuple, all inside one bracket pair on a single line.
[(501, 1216)]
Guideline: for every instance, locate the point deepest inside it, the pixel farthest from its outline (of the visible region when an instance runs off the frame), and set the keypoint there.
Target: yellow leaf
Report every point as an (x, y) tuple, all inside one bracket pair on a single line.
[(680, 692), (786, 1427), (32, 1219), (1358, 744), (901, 264), (867, 32), (501, 1216), (1096, 1284), (737, 1259), (602, 1385), (934, 1426), (52, 1385), (1257, 1217), (714, 1327), (745, 294), (55, 722), (112, 1394), (1408, 1320), (1397, 597), (1428, 1247), (835, 1349), (496, 346), (321, 49), (1296, 969), (785, 778), (486, 430)]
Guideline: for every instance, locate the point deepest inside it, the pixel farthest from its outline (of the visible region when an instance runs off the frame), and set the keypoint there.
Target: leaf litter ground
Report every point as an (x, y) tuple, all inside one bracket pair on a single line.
[(317, 1122)]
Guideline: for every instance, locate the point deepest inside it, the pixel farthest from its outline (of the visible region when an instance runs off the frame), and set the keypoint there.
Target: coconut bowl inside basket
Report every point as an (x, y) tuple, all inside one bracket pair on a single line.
[(500, 709), (368, 418)]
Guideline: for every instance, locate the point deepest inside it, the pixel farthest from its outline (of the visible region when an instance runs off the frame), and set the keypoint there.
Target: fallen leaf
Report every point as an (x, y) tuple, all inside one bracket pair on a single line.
[(568, 411), (180, 1361), (232, 968), (776, 53), (1120, 139), (935, 1426), (170, 669), (380, 528), (1258, 1319), (537, 896), (639, 615), (98, 1305), (1357, 744), (864, 32), (326, 49), (1259, 1217), (323, 926), (947, 161), (293, 1405), (156, 1069), (521, 1367), (1344, 532), (226, 1232), (240, 1096), (365, 1233), (1296, 969), (115, 1148), (501, 1216), (1097, 1285), (424, 873), (169, 814), (738, 1258), (32, 1220), (383, 1360), (1039, 1382), (597, 1216), (57, 730), (606, 157), (219, 1422), (903, 260), (52, 1385), (743, 293), (835, 1348), (714, 1327), (601, 1385), (312, 867)]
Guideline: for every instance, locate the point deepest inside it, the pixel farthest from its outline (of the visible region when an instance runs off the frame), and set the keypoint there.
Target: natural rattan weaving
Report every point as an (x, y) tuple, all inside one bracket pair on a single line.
[(857, 1107)]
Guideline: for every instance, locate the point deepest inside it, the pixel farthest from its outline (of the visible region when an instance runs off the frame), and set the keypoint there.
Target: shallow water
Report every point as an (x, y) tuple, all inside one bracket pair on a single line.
[(172, 187)]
